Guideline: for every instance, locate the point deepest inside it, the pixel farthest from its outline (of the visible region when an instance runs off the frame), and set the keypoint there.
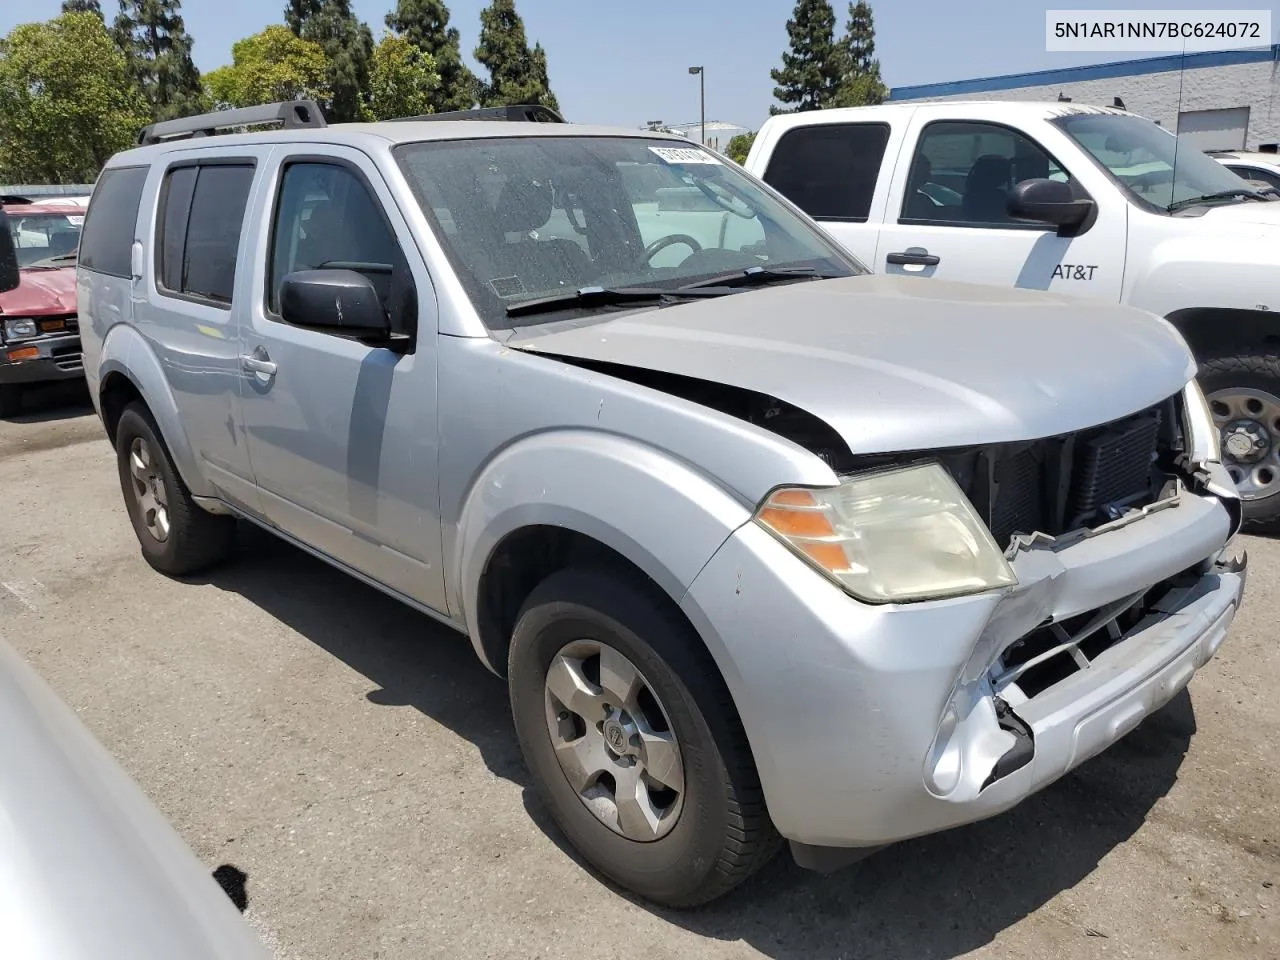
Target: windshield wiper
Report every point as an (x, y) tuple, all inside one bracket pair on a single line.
[(756, 276), (602, 297), (48, 263), (1220, 195)]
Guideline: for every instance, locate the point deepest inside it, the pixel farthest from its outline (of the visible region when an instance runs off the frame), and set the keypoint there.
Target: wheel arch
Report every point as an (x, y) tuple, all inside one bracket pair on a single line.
[(129, 371), (1212, 331)]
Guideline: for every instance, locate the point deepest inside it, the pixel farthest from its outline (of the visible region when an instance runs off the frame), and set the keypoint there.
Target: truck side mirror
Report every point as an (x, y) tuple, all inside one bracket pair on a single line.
[(1048, 201), (9, 277)]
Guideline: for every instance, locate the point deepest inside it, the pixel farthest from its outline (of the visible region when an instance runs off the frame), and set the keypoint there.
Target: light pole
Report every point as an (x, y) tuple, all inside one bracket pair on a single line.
[(702, 97)]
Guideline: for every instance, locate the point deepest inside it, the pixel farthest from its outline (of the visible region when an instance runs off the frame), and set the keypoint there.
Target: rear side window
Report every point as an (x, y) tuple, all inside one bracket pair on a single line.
[(198, 235), (829, 170), (106, 243)]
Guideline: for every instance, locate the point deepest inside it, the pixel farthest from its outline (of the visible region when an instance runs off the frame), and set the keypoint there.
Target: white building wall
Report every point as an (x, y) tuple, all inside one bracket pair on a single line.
[(1156, 95)]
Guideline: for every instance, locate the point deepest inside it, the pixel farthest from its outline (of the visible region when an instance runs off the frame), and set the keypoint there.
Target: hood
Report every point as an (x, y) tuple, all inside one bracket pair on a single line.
[(41, 293), (905, 364), (1262, 214)]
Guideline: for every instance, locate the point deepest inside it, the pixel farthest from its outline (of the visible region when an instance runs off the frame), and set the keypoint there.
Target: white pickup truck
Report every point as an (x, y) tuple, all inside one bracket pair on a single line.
[(1089, 201)]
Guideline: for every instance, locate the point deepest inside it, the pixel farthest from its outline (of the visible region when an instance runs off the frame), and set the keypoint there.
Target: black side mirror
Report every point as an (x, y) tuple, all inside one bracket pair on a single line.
[(341, 302), (1048, 201), (9, 276)]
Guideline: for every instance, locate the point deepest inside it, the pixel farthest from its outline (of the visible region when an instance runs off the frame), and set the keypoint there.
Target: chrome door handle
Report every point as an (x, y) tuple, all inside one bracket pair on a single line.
[(257, 365)]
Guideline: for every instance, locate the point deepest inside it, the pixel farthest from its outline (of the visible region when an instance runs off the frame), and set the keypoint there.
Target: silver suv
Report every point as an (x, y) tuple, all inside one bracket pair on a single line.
[(766, 547)]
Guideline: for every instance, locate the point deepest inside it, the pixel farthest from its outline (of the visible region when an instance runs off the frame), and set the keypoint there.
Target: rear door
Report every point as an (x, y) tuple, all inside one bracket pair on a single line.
[(838, 173), (189, 304), (948, 212)]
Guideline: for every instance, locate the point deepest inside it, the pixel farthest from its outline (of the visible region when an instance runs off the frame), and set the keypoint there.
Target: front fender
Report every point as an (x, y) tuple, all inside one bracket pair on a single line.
[(126, 352), (657, 512), (1231, 273)]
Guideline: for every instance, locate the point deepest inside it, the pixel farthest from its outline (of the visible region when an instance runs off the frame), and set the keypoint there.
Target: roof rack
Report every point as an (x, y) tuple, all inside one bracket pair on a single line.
[(290, 114), (516, 113)]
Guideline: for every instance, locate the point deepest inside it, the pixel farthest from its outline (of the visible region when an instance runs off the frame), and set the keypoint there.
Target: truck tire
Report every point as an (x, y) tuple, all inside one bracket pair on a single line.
[(656, 789), (177, 536), (10, 399), (1243, 390)]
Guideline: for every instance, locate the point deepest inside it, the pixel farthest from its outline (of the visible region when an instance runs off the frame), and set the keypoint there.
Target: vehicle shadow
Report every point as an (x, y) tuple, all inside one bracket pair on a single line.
[(935, 897), (62, 400)]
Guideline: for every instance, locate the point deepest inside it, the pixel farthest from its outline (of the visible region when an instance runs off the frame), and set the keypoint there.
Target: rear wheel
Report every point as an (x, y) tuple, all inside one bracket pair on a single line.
[(176, 535), (1243, 391), (10, 399), (633, 741)]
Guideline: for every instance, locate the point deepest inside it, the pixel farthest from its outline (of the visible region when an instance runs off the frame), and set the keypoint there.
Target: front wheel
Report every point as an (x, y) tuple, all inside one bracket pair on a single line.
[(1243, 391), (633, 741)]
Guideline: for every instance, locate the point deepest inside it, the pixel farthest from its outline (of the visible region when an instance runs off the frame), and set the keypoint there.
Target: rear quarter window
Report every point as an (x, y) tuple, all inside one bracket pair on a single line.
[(106, 243), (829, 170)]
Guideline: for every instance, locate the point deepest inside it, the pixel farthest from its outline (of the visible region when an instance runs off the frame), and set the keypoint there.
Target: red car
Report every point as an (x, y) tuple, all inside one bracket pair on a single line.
[(39, 335)]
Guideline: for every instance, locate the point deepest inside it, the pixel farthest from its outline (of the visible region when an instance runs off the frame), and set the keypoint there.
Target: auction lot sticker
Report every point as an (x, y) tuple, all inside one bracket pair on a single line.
[(684, 155)]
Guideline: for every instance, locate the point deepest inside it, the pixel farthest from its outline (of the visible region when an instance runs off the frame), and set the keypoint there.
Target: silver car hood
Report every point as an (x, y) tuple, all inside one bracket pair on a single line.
[(904, 364)]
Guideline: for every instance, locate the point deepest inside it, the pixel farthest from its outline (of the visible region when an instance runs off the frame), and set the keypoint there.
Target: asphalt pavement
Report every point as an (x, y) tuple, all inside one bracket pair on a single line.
[(359, 765)]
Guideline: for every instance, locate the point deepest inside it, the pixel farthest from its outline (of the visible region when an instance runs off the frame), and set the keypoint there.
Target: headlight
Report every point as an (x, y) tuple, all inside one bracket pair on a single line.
[(1206, 440), (907, 533), (20, 329)]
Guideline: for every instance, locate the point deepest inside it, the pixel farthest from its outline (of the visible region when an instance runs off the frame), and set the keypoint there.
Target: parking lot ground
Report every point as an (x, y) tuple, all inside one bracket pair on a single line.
[(355, 760)]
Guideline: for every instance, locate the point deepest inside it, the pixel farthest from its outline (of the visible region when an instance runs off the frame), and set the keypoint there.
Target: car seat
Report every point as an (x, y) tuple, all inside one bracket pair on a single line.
[(986, 190)]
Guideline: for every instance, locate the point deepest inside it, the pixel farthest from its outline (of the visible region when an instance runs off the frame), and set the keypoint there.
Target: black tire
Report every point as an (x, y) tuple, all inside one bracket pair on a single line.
[(1256, 369), (10, 399), (723, 833), (196, 538)]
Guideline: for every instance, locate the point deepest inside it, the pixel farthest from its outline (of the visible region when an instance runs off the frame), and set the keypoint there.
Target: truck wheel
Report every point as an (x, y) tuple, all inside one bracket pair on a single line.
[(176, 535), (1243, 391), (633, 740), (10, 399)]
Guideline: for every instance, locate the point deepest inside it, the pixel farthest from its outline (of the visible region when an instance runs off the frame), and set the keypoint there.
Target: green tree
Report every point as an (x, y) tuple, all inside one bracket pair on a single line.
[(347, 45), (67, 101), (860, 82), (403, 81), (810, 71), (82, 6), (738, 147), (155, 41), (425, 24), (516, 73), (268, 67)]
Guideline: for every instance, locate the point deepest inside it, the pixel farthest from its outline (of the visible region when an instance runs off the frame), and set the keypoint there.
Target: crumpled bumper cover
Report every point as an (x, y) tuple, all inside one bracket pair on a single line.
[(851, 709)]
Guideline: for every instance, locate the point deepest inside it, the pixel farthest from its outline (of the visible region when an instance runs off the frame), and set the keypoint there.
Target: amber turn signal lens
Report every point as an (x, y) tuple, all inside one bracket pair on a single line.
[(53, 326), (798, 523), (26, 353)]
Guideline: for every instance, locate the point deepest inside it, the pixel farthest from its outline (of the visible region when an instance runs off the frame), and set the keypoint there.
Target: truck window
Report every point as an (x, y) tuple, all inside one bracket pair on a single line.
[(1256, 174), (327, 218), (963, 171), (829, 170), (106, 245), (201, 216)]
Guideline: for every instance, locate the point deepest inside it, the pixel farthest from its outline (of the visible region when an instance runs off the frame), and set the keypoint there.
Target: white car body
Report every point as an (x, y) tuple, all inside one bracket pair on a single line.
[(1255, 166), (1209, 269)]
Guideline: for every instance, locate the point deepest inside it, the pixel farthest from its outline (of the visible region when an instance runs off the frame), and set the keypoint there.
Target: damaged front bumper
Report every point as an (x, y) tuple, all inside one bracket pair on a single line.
[(871, 725)]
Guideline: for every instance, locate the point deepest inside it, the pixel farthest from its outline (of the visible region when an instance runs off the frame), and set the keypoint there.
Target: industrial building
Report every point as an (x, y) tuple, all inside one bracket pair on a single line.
[(1221, 100)]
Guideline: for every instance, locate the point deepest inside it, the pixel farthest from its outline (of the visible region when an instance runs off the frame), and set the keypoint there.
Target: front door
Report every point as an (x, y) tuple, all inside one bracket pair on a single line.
[(948, 216), (342, 435)]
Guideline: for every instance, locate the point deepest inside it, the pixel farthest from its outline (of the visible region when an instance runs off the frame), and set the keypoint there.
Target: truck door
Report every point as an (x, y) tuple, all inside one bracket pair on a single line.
[(948, 214), (832, 171)]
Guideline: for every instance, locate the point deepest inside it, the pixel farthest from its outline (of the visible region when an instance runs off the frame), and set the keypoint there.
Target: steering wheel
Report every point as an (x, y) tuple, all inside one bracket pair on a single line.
[(655, 248)]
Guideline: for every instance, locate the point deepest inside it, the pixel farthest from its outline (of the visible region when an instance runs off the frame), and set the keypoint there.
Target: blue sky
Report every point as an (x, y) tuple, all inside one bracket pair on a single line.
[(626, 62)]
